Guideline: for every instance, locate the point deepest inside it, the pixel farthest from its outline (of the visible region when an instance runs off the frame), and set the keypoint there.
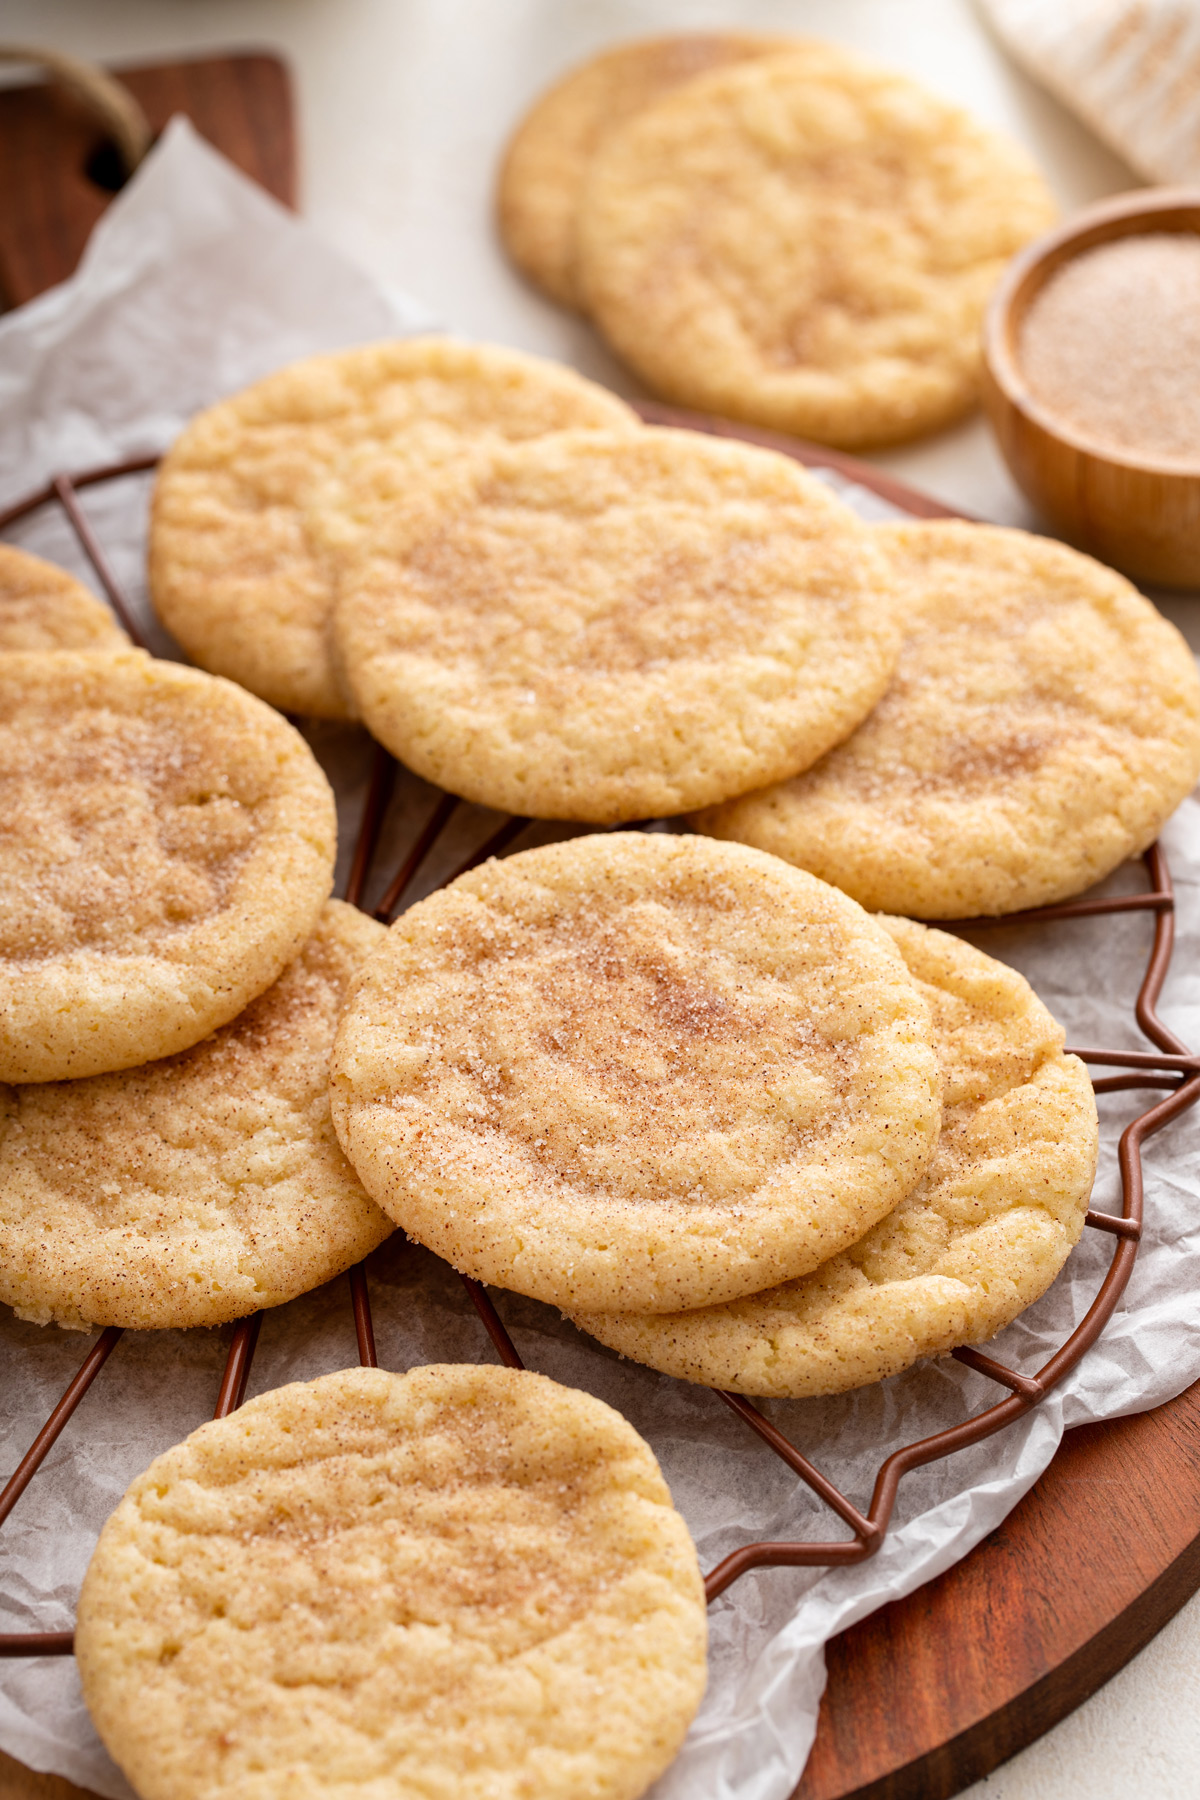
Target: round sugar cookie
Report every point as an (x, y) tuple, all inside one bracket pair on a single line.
[(978, 1239), (1042, 724), (167, 846), (548, 156), (241, 561), (607, 626), (636, 1065), (460, 1581), (198, 1188), (806, 242), (44, 608)]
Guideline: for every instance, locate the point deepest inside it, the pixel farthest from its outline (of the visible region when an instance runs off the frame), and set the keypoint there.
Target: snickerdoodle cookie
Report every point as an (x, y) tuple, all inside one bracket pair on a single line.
[(979, 1238), (460, 1581), (547, 159), (805, 241), (198, 1188), (636, 1073), (1043, 722), (608, 626), (168, 844), (44, 608), (241, 563)]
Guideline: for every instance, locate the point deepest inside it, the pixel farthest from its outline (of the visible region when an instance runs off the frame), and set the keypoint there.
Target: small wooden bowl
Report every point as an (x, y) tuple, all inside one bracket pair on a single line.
[(1127, 510)]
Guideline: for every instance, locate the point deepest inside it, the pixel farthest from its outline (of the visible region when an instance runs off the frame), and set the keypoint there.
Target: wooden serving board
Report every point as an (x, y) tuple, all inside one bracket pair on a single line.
[(931, 1692), (48, 200), (19, 1783)]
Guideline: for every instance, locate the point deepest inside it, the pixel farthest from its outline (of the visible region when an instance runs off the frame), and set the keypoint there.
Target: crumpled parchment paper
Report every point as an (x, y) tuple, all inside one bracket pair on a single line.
[(194, 284)]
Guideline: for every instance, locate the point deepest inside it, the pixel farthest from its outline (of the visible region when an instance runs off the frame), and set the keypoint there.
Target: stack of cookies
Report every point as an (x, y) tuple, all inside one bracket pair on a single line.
[(681, 1086), (678, 1087), (708, 1106), (529, 597), (543, 606), (260, 493), (486, 1564), (171, 971), (772, 229)]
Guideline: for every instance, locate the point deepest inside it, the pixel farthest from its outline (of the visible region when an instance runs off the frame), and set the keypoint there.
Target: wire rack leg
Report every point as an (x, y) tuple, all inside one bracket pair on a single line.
[(237, 1366), (51, 1643), (492, 1323), (40, 1448), (364, 1329), (65, 491)]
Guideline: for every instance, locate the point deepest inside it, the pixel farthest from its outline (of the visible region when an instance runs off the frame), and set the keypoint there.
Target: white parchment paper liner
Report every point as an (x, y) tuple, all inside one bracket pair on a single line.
[(194, 284)]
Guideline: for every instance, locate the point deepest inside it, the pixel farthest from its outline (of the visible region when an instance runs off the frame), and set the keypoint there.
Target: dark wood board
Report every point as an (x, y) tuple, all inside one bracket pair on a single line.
[(932, 1692), (49, 202), (19, 1783)]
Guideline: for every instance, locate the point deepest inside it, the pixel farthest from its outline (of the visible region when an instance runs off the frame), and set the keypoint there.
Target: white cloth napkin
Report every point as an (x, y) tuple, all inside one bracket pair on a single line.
[(194, 284), (1129, 68)]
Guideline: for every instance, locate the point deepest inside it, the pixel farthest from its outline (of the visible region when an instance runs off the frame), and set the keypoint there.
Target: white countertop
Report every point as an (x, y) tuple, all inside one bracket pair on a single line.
[(403, 106)]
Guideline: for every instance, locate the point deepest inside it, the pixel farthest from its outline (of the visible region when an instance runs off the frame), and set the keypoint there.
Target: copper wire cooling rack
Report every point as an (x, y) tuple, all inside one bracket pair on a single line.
[(1168, 1066)]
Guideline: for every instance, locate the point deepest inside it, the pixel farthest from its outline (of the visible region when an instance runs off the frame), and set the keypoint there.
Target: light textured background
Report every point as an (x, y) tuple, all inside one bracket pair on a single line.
[(403, 107)]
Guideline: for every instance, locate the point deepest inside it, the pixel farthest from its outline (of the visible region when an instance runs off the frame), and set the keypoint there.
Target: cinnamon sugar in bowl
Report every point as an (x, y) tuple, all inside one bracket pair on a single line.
[(1092, 381)]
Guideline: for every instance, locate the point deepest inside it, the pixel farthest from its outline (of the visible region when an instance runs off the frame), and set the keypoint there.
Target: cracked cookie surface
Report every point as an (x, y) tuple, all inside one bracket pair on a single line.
[(167, 843), (1042, 724), (199, 1188), (607, 626), (254, 500), (462, 1580), (976, 1241), (636, 1065), (44, 608), (547, 160), (806, 242)]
